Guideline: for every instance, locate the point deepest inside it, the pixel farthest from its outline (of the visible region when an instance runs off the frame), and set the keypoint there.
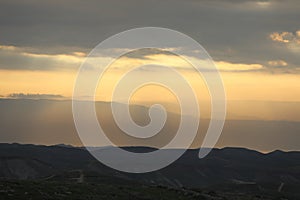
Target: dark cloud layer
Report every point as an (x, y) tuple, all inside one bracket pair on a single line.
[(231, 30)]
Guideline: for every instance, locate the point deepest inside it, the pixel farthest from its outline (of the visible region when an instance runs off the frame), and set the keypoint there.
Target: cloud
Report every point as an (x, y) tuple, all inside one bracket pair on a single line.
[(64, 27), (277, 63), (146, 52), (157, 59), (290, 39), (286, 37), (34, 96), (16, 58), (239, 67)]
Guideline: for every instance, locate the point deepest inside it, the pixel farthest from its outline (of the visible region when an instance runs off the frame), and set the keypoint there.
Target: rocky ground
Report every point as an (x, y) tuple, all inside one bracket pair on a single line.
[(18, 190)]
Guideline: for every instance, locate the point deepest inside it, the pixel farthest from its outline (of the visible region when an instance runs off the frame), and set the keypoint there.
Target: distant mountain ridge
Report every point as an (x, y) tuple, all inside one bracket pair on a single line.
[(51, 122)]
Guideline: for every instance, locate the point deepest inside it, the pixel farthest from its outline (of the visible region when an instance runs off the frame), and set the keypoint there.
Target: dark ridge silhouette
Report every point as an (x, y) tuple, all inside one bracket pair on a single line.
[(224, 170)]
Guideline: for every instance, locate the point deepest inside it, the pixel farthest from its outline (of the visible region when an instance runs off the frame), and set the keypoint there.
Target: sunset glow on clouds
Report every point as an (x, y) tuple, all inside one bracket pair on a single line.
[(55, 74), (257, 60)]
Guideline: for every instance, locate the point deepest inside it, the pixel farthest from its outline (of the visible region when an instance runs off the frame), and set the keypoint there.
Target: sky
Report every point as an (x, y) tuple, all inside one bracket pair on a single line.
[(255, 44)]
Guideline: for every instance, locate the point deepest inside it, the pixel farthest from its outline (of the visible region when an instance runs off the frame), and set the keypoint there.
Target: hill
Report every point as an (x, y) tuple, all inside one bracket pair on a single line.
[(227, 170)]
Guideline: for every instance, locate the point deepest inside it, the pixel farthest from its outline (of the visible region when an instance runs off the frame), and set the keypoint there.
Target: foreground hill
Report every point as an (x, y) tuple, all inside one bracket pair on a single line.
[(224, 170)]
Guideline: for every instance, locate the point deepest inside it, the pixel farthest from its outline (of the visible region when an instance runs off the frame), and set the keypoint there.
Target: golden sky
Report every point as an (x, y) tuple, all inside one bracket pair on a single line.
[(241, 81)]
